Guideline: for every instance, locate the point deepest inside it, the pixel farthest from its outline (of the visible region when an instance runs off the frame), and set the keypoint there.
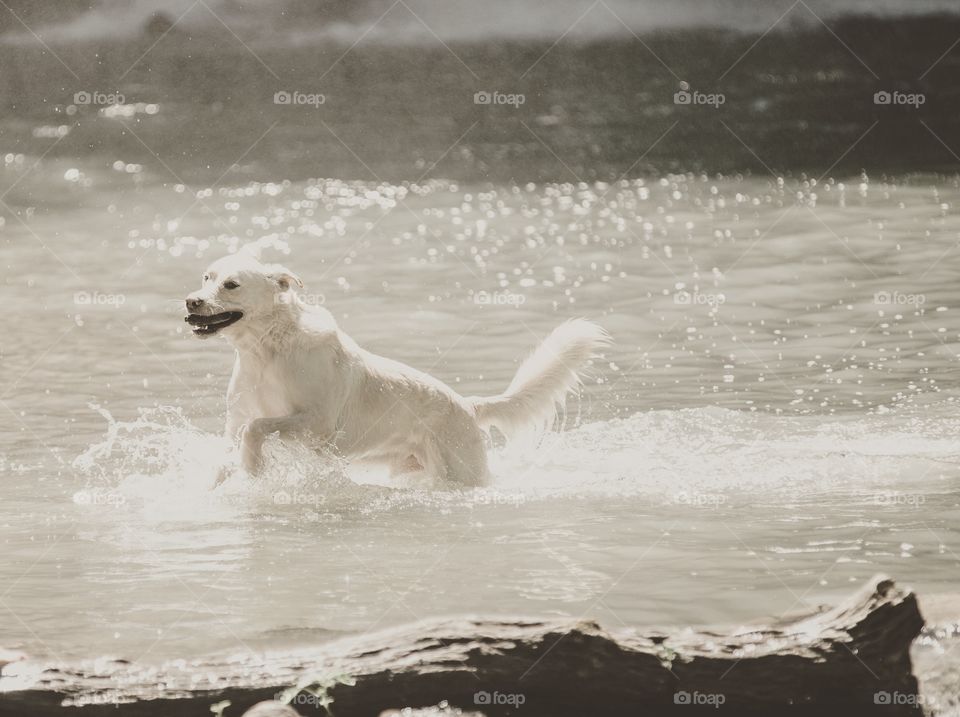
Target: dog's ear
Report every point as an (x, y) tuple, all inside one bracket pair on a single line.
[(284, 277)]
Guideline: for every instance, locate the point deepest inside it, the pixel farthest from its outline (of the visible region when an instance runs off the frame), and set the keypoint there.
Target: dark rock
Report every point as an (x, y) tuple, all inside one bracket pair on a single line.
[(841, 661)]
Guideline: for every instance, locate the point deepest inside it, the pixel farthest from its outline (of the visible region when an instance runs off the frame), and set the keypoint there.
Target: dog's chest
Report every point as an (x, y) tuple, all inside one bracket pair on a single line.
[(270, 387)]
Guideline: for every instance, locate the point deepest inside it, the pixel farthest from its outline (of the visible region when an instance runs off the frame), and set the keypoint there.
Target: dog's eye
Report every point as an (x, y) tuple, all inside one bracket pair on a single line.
[(231, 285)]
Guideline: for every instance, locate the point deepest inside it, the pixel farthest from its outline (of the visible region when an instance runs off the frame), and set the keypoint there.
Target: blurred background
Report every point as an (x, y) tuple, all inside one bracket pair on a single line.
[(398, 80)]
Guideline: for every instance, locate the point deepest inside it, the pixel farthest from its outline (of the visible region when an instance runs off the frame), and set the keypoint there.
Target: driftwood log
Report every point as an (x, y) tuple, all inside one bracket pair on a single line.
[(847, 660)]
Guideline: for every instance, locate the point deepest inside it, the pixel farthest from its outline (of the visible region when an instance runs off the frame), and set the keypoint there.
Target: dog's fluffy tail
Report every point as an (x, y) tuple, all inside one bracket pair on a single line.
[(543, 381)]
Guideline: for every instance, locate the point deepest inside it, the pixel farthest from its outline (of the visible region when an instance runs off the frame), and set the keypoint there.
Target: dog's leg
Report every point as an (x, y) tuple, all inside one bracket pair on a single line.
[(241, 403), (241, 409), (432, 459), (465, 457), (255, 433)]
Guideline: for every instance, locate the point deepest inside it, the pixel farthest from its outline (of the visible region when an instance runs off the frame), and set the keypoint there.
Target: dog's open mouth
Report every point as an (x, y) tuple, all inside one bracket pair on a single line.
[(206, 325)]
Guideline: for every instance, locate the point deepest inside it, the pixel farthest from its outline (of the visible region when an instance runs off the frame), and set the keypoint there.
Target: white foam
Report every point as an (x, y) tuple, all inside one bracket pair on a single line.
[(164, 466)]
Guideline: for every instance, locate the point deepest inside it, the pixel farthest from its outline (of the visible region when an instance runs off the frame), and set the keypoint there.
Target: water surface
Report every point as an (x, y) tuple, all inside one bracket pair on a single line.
[(775, 424)]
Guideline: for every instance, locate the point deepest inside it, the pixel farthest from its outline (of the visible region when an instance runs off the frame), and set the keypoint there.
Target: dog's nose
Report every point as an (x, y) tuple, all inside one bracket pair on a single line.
[(194, 304)]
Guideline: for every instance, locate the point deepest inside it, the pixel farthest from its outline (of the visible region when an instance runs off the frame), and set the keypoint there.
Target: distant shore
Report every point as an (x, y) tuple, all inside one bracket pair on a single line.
[(792, 101)]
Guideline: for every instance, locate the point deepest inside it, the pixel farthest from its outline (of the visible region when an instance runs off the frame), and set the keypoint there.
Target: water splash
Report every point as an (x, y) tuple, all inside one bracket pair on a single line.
[(166, 466)]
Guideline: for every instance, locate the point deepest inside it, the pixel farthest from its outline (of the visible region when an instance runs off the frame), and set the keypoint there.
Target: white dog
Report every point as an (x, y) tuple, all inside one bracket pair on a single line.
[(298, 375)]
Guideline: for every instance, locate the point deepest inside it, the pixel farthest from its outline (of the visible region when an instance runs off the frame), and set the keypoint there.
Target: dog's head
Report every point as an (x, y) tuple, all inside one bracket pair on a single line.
[(238, 291)]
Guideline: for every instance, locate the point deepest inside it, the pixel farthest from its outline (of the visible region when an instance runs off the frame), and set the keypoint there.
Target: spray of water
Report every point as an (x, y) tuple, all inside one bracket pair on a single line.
[(165, 466)]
